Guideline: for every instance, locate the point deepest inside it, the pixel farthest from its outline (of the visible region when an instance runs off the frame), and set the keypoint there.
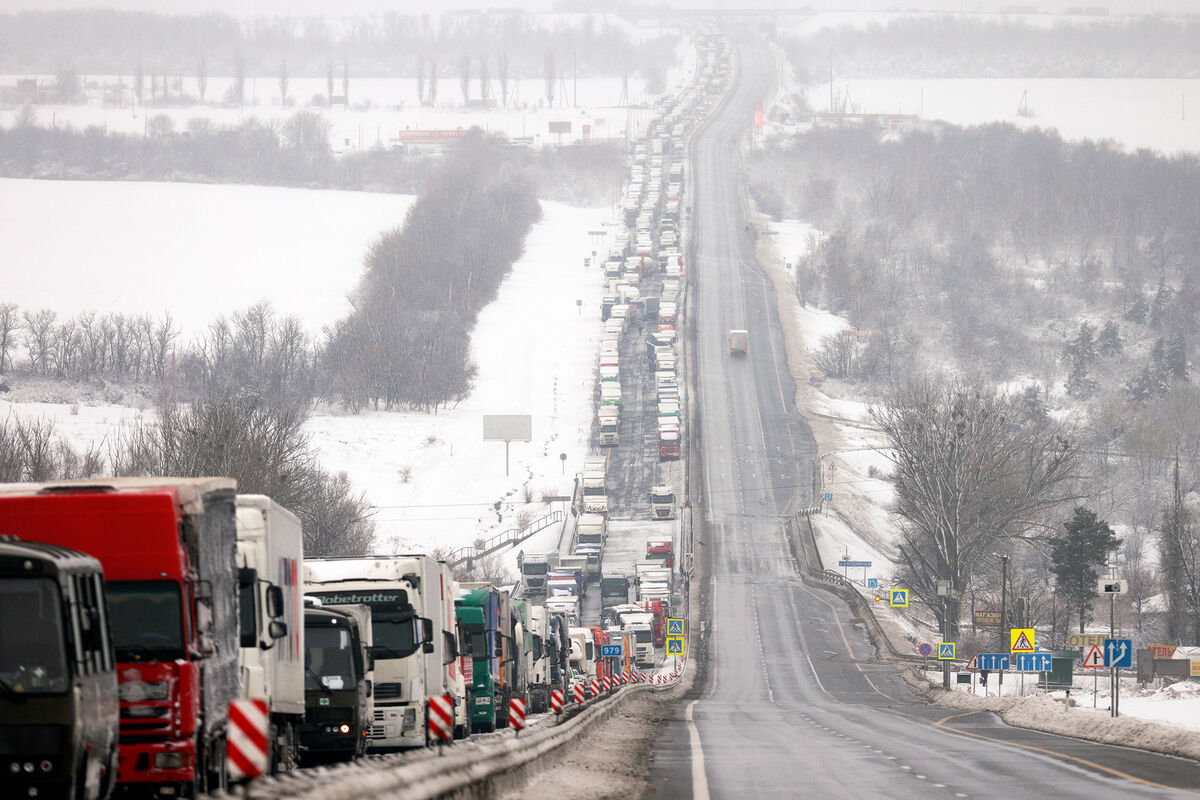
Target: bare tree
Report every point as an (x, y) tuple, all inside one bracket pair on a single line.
[(968, 477), (502, 73), (433, 81), (139, 82), (39, 338), (283, 82), (550, 75), (346, 81), (9, 324), (421, 80), (464, 77), (329, 81), (239, 77), (202, 76), (485, 86)]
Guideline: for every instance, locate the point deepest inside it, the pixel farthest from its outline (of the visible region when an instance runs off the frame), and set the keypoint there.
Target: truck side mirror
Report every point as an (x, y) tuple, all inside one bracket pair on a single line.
[(370, 688), (274, 602), (427, 647), (426, 630), (277, 629)]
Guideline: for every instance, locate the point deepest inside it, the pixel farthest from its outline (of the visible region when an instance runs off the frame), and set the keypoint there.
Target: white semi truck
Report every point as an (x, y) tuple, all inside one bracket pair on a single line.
[(270, 552), (411, 598)]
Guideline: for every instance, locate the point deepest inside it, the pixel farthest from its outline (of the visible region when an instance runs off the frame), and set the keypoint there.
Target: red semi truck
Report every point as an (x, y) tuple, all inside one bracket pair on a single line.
[(168, 547)]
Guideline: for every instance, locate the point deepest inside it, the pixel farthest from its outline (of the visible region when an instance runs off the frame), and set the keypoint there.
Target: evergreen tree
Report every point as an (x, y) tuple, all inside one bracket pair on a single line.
[(1032, 405), (1158, 309), (1172, 552), (1109, 343), (1177, 358), (1077, 554), (1137, 310)]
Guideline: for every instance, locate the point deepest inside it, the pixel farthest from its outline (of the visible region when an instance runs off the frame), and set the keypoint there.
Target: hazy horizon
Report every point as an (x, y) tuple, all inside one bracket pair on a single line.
[(295, 8)]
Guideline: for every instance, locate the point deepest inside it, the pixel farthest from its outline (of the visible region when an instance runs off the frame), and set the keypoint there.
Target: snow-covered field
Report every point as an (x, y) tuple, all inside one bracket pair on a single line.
[(194, 250), (536, 354), (1159, 114)]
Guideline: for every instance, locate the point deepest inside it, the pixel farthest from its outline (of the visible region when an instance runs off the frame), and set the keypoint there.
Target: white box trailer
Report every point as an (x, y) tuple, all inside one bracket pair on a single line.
[(270, 553), (411, 598)]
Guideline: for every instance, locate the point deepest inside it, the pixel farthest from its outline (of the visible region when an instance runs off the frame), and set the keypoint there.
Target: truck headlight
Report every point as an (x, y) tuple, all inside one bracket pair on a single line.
[(168, 760)]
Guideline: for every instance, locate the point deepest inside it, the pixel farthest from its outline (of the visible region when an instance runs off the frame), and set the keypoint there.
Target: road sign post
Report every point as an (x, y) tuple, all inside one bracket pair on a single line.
[(1118, 654)]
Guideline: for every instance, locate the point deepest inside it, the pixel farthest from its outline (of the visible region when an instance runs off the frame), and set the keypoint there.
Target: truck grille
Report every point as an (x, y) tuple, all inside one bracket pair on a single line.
[(389, 691), (377, 732)]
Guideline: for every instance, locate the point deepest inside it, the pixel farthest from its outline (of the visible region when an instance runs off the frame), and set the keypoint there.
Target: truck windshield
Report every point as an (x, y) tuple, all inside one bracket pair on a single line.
[(644, 637), (535, 568), (479, 646), (32, 656), (328, 659), (395, 636), (662, 499), (147, 620)]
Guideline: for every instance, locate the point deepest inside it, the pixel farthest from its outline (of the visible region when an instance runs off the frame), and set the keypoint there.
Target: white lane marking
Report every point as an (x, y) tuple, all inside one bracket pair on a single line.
[(699, 781)]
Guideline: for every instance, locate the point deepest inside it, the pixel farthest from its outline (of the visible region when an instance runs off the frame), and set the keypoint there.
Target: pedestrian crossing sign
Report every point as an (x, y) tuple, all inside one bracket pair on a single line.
[(1022, 640), (674, 627), (899, 598), (946, 651), (675, 646)]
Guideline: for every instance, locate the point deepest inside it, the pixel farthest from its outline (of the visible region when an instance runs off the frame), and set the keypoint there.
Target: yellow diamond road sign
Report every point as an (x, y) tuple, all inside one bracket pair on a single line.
[(1022, 640)]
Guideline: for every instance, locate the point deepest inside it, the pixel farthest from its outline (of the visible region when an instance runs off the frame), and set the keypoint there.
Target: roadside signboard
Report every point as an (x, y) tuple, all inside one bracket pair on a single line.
[(1118, 653), (854, 563), (872, 583), (611, 650), (899, 598), (1023, 640), (1111, 587), (1093, 657), (946, 651), (992, 661), (1195, 668), (962, 677), (675, 646), (674, 627), (985, 619), (1083, 640), (925, 649), (1034, 662)]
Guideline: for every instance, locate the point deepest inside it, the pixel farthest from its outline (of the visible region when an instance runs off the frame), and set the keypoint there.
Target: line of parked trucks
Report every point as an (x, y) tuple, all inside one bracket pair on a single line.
[(134, 611)]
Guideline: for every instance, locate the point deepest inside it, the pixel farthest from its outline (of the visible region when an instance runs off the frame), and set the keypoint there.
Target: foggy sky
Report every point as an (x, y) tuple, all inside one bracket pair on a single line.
[(340, 8)]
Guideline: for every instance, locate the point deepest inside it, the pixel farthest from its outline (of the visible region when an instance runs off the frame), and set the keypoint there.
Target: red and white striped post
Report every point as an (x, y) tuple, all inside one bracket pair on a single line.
[(556, 700), (516, 714), (246, 752), (577, 691), (441, 718), (606, 682), (595, 687)]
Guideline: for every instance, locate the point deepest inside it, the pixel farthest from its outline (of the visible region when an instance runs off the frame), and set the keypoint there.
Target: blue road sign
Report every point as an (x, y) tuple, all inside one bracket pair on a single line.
[(829, 497), (611, 651), (899, 598), (991, 661), (1034, 662), (854, 563), (946, 650), (925, 649), (872, 583), (1118, 653), (675, 627)]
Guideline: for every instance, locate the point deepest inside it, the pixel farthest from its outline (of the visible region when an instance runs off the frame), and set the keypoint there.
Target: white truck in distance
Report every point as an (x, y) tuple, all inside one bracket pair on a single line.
[(270, 552), (738, 342), (662, 503)]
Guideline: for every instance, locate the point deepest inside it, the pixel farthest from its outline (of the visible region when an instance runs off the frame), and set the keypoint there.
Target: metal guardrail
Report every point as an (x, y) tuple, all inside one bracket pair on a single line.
[(509, 537)]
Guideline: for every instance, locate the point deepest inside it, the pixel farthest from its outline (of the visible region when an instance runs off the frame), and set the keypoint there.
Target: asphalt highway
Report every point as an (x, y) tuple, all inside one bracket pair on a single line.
[(795, 705)]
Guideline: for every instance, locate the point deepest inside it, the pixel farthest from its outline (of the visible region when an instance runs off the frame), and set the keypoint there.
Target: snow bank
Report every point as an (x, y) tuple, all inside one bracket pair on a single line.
[(1046, 714)]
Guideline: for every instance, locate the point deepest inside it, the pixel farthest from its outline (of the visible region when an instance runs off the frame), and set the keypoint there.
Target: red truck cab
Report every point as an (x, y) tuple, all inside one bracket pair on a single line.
[(168, 548), (656, 607)]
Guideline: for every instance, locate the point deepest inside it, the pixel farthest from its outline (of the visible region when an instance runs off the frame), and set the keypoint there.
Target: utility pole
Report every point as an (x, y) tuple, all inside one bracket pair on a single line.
[(1003, 604), (831, 81)]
